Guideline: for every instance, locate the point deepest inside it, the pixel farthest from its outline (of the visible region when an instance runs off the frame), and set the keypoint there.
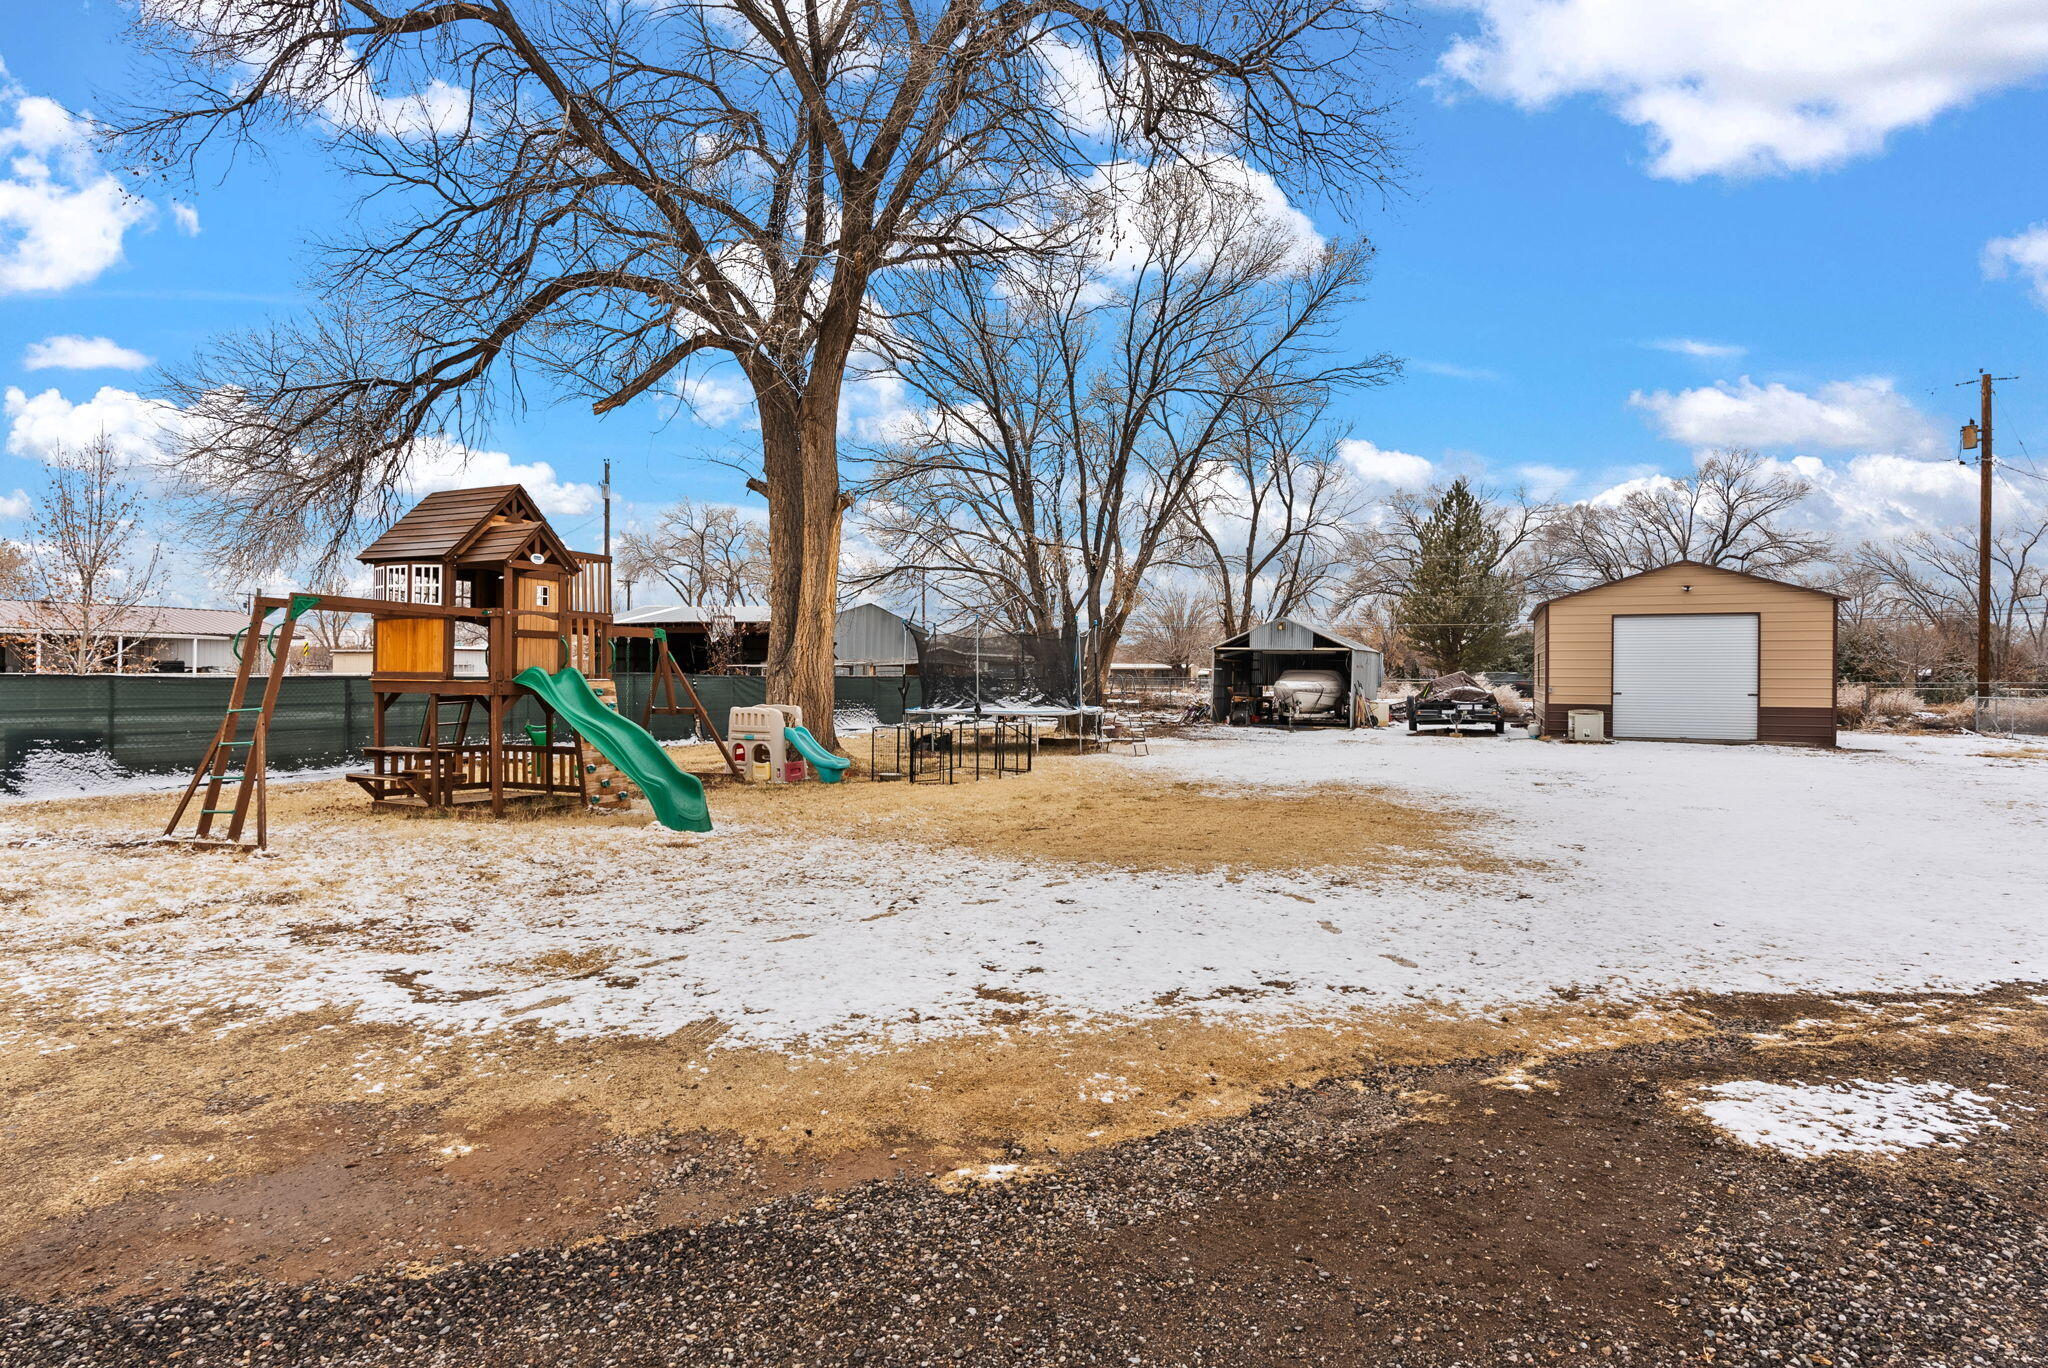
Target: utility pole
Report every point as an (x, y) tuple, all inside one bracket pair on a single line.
[(610, 575), (1978, 435), (1984, 538)]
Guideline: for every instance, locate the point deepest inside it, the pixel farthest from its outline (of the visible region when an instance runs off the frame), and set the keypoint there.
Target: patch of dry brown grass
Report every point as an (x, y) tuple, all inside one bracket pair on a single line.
[(561, 964), (1069, 810), (97, 1113)]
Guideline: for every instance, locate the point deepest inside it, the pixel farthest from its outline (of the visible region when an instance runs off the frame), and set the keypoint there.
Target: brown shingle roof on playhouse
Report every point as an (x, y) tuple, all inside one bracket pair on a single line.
[(460, 522), (501, 542)]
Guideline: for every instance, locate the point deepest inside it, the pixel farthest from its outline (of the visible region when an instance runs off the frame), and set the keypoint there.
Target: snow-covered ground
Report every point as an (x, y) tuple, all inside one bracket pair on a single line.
[(1857, 1117), (1897, 863)]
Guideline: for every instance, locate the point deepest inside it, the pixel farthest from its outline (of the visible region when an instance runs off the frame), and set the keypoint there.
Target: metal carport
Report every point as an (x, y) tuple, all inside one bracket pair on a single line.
[(1244, 667)]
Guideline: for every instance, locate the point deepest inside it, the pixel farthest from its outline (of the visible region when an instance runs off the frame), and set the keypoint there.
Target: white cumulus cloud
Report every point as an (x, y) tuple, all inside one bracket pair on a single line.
[(186, 216), (1845, 415), (437, 109), (1377, 465), (69, 351), (62, 215), (716, 400), (441, 464), (1742, 87), (2024, 254), (1879, 494), (1544, 481), (1121, 248), (46, 426), (14, 505)]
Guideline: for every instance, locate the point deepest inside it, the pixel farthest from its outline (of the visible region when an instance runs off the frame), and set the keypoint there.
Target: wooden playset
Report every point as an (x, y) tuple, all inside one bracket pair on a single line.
[(485, 557)]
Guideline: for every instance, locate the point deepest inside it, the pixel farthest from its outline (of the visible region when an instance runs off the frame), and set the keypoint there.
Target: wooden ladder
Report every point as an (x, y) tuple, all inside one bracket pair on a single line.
[(229, 747), (667, 674)]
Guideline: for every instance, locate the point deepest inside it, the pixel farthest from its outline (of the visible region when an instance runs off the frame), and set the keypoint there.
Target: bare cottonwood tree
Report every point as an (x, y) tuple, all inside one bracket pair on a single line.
[(89, 567), (701, 552), (1733, 511), (1921, 594), (1075, 409), (13, 570), (1173, 625), (1382, 554), (1266, 524), (599, 195)]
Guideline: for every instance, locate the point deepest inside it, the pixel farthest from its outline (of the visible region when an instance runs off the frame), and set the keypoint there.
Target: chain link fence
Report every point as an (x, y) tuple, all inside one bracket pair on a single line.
[(65, 734), (2013, 712)]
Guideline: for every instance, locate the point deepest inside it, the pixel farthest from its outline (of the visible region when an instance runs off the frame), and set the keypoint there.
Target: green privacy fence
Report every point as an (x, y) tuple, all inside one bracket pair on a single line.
[(77, 733)]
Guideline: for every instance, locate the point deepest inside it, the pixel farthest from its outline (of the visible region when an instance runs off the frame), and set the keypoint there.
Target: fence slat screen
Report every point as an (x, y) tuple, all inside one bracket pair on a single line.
[(66, 734)]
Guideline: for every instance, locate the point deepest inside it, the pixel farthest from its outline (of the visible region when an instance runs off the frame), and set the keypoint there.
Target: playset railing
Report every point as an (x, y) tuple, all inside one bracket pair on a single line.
[(437, 772)]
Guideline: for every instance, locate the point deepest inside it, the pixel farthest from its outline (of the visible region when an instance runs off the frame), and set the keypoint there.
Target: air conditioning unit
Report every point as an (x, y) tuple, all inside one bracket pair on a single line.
[(1587, 724)]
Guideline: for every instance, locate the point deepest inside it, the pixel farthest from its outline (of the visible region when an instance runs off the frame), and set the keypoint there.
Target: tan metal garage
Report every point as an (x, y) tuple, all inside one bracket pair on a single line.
[(1691, 652)]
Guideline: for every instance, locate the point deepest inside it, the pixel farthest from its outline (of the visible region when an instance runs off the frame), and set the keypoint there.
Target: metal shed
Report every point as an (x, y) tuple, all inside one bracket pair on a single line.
[(868, 639), (1245, 666)]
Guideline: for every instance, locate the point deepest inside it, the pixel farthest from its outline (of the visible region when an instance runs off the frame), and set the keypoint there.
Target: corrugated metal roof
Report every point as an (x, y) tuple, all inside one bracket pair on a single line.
[(1281, 629), (141, 620)]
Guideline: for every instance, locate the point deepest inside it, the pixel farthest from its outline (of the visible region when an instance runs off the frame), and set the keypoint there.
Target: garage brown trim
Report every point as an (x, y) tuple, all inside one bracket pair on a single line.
[(1557, 721), (1796, 726)]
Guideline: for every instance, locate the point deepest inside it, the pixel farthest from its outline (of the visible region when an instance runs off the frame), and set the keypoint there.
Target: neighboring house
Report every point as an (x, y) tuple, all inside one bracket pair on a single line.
[(152, 637), (1152, 672), (470, 661), (355, 653), (700, 635), (868, 639)]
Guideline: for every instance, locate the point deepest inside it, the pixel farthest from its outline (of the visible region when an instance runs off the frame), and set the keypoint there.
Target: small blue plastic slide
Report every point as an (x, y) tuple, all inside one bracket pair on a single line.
[(831, 768)]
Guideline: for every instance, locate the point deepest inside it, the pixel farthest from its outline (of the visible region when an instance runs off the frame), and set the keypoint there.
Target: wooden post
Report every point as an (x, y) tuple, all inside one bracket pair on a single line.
[(497, 753), (253, 768)]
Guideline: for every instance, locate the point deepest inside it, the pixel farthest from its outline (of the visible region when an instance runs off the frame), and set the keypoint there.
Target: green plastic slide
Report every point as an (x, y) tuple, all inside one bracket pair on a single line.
[(831, 768), (676, 796)]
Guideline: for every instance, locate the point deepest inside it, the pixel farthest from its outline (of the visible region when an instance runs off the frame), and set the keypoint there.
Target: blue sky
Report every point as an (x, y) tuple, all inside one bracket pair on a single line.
[(1804, 193)]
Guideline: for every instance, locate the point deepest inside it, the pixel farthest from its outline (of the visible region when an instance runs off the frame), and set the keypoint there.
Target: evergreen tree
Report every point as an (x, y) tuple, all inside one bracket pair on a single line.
[(1459, 609)]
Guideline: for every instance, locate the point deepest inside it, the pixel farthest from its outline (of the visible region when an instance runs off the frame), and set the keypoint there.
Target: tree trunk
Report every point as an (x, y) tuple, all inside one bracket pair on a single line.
[(800, 463)]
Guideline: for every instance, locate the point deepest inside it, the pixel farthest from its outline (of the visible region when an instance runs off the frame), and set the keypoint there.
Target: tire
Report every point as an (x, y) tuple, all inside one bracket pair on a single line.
[(1500, 727)]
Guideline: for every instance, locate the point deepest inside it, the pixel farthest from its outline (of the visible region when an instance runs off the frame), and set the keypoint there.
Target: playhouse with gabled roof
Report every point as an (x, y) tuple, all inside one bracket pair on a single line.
[(485, 556)]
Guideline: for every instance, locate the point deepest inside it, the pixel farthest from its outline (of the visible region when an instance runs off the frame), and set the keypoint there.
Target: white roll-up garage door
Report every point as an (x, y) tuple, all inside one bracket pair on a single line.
[(1686, 676)]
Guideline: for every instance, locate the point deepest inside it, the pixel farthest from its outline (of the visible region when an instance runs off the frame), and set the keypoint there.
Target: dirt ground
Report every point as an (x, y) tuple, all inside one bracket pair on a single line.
[(1404, 1184), (1499, 1211), (240, 1113)]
